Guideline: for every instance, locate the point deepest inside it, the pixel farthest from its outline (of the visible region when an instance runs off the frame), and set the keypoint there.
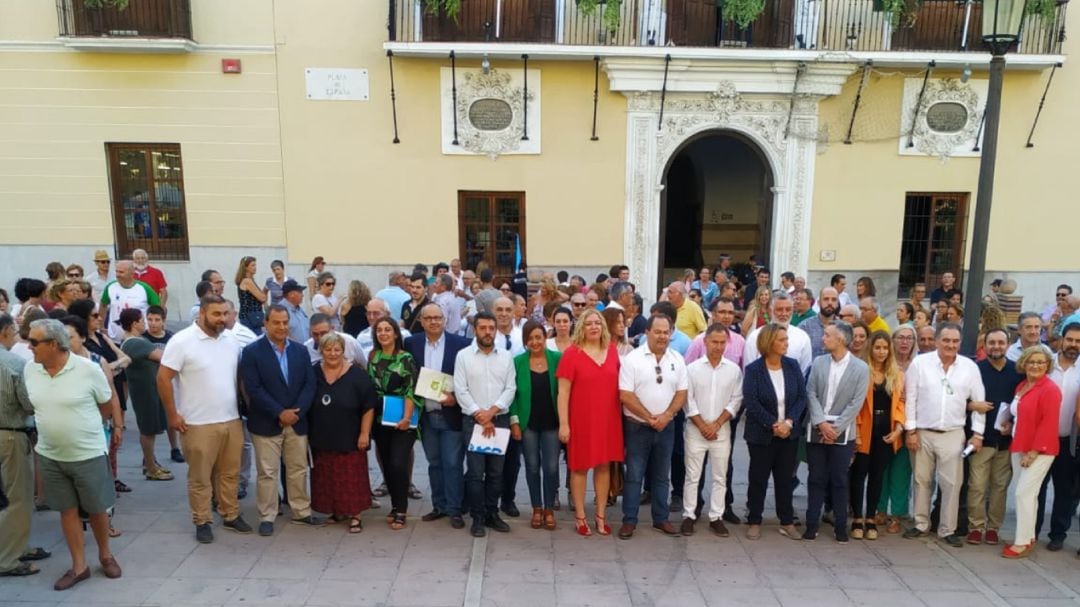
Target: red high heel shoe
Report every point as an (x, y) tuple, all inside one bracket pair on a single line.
[(602, 527), (582, 527)]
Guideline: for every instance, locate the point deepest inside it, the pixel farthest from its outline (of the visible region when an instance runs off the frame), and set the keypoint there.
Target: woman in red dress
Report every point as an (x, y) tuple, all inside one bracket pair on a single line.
[(590, 417)]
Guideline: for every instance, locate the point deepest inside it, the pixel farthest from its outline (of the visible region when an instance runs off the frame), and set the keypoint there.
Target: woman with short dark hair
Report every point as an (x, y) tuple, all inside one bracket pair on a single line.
[(534, 420), (142, 379)]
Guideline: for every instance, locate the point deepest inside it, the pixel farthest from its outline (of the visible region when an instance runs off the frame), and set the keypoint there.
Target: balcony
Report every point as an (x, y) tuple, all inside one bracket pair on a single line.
[(155, 26), (857, 28)]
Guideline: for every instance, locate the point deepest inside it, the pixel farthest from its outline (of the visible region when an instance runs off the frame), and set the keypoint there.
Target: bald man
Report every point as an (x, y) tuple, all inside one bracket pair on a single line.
[(690, 318)]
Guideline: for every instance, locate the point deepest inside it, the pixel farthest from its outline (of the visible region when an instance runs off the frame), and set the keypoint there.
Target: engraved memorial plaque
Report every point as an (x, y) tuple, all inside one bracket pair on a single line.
[(947, 117), (491, 114)]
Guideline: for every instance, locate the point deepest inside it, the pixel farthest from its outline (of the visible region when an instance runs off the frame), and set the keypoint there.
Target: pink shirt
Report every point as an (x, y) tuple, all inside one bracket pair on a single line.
[(732, 352)]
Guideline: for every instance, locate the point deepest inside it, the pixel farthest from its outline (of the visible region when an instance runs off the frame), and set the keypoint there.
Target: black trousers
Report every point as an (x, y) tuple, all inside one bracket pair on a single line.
[(678, 455), (483, 473), (511, 470), (867, 475), (1064, 473), (828, 466), (395, 450), (777, 460)]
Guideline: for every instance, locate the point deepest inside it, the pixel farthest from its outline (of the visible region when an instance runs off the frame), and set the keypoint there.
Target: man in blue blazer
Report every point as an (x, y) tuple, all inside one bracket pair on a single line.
[(279, 382), (440, 422)]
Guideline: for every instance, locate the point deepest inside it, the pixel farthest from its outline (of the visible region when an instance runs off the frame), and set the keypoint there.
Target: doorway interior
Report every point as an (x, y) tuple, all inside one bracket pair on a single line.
[(717, 198)]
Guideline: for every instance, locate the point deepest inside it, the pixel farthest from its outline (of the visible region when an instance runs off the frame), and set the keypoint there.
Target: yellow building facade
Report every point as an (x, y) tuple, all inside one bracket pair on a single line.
[(205, 130)]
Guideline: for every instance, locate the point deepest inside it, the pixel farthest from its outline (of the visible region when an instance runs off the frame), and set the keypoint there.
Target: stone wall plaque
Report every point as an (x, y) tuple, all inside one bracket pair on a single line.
[(947, 119), (491, 115), (491, 112)]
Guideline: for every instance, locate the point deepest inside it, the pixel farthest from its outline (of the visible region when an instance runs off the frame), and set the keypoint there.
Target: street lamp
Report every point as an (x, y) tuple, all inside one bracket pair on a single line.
[(1001, 23)]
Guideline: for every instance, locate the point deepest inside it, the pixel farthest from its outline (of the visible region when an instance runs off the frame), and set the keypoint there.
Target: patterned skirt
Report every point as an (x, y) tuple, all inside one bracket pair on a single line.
[(339, 483)]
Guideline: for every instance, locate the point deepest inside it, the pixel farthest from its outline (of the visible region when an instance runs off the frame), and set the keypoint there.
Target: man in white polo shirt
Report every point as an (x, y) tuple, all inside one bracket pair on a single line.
[(203, 360), (652, 389)]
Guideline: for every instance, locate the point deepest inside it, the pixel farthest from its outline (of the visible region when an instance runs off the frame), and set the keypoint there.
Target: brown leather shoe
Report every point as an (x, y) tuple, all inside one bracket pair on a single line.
[(111, 568), (626, 531), (666, 528), (69, 579), (718, 528), (687, 527)]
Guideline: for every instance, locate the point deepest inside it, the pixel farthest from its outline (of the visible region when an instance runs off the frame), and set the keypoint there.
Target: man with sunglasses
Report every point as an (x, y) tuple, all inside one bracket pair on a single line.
[(70, 396), (102, 274), (1055, 312), (652, 388)]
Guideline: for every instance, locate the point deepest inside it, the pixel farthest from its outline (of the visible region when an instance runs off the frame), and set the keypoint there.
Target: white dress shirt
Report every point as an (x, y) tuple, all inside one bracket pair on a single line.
[(515, 346), (836, 371), (367, 341), (713, 390), (354, 354), (1068, 380), (799, 348), (937, 399), (482, 381), (638, 375)]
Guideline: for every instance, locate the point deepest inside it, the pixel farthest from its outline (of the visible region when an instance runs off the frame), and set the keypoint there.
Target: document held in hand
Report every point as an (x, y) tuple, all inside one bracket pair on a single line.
[(393, 409), (815, 434), (495, 445), (432, 384)]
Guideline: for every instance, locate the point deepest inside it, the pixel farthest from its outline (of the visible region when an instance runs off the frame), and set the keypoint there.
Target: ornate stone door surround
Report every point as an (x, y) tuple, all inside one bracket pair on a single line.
[(752, 98)]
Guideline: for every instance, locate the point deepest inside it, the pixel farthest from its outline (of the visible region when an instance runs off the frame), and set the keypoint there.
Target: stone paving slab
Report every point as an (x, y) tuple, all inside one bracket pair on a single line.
[(431, 565)]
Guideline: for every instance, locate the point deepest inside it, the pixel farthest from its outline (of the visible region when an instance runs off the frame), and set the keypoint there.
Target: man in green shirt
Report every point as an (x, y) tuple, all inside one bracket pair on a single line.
[(803, 299)]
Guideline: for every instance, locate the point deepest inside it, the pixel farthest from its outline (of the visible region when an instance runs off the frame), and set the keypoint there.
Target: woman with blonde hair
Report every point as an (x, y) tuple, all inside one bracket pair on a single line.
[(1035, 444), (757, 314), (879, 434), (548, 293), (904, 350), (354, 309), (590, 415), (250, 297)]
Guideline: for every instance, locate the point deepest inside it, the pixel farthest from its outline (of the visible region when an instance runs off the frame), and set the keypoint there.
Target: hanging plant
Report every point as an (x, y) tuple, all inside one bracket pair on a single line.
[(894, 9), (1047, 9), (117, 4), (611, 13), (741, 12), (452, 8)]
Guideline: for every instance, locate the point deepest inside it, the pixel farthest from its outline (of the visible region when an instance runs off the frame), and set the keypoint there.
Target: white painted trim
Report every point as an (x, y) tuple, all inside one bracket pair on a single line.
[(59, 45), (116, 44), (508, 50)]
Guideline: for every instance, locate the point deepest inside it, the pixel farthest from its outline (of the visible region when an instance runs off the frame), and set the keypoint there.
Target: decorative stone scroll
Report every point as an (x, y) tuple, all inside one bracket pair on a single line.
[(491, 110), (949, 117)]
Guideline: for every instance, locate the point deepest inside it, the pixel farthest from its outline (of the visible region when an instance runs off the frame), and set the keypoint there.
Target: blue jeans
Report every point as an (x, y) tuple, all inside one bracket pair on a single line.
[(483, 473), (445, 453), (541, 455), (648, 453)]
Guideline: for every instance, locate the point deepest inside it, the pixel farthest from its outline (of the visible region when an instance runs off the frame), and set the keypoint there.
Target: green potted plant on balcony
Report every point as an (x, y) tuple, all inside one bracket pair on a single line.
[(452, 8), (741, 12), (1047, 9), (611, 11)]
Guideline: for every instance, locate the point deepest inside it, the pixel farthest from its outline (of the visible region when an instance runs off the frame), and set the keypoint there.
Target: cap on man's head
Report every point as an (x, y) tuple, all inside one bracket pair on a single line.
[(996, 282), (101, 255), (291, 285)]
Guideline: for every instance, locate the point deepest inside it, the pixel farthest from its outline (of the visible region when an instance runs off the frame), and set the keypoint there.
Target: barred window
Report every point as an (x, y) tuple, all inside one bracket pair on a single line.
[(148, 199)]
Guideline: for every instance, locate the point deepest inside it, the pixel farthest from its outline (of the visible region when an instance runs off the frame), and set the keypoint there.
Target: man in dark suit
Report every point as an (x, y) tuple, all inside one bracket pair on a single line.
[(440, 421), (280, 384)]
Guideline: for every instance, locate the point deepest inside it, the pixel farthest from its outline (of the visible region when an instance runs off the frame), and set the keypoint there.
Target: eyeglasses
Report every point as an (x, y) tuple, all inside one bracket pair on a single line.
[(904, 338), (328, 284), (74, 275), (432, 318), (1062, 295), (1038, 363), (580, 304), (659, 375), (37, 342), (104, 261)]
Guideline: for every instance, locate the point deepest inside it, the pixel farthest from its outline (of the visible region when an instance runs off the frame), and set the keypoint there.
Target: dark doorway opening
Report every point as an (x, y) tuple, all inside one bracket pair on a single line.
[(717, 198)]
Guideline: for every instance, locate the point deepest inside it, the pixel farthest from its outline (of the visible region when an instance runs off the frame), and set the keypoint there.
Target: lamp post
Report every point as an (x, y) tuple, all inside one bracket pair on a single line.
[(1002, 20)]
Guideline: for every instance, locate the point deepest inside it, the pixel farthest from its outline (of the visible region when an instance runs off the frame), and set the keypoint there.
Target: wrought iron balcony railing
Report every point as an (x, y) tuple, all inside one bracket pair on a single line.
[(139, 19)]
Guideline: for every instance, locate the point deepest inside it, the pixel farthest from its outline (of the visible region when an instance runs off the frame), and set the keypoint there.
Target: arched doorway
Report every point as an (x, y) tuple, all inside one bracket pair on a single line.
[(717, 198)]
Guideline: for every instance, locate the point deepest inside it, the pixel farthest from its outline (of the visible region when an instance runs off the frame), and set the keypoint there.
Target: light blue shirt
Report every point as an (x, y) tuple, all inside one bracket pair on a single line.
[(298, 323), (680, 342), (282, 359), (395, 297), (434, 352)]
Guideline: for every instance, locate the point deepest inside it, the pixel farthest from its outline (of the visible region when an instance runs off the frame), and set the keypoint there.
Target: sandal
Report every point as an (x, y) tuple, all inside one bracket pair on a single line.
[(399, 522), (857, 529), (22, 570), (35, 554), (549, 520), (120, 487), (894, 525), (414, 493), (355, 526), (390, 517), (114, 532), (381, 491), (601, 526), (581, 526), (159, 474), (537, 518)]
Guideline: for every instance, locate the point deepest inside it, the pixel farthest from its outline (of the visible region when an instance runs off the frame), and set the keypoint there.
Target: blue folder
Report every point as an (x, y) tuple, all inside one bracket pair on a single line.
[(394, 409)]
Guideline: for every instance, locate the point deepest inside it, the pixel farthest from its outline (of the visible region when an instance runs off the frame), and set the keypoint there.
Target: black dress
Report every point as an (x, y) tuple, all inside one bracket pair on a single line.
[(355, 321)]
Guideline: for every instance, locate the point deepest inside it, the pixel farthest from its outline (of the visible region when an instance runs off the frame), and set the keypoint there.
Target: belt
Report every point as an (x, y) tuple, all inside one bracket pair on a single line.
[(936, 431), (23, 430), (880, 411)]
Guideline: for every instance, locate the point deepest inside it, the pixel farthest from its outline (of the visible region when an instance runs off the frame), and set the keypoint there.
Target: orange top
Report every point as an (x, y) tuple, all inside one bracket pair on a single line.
[(864, 421)]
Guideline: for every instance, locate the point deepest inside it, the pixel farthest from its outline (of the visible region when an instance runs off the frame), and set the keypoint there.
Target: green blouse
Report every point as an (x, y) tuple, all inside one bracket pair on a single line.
[(392, 374)]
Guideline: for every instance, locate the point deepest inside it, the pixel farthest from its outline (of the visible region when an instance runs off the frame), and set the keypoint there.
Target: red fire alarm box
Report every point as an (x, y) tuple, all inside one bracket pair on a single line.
[(230, 66)]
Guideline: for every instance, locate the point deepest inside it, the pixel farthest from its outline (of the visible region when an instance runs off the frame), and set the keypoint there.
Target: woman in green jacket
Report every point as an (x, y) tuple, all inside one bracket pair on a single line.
[(534, 420)]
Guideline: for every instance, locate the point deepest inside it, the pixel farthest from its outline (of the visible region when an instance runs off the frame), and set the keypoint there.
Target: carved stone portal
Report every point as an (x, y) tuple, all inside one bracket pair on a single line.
[(786, 133)]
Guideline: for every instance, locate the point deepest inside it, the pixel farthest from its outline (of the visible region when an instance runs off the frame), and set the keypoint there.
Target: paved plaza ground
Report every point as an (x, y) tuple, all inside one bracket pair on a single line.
[(430, 564)]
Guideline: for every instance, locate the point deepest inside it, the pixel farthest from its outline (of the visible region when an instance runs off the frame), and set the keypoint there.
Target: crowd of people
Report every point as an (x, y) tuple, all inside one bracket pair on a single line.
[(488, 374)]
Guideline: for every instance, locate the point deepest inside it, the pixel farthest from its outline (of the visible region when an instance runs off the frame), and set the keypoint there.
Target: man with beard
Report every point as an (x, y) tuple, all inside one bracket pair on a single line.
[(1063, 471), (990, 469), (814, 326)]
